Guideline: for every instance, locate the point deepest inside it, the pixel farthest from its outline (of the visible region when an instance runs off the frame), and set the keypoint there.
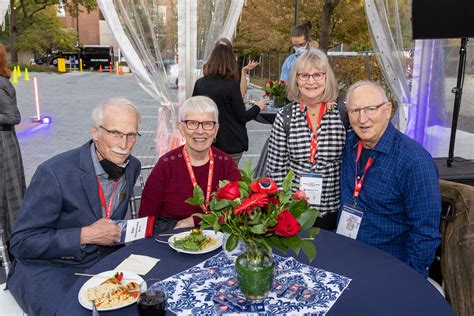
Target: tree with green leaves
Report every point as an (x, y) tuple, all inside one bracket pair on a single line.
[(51, 35), (25, 13)]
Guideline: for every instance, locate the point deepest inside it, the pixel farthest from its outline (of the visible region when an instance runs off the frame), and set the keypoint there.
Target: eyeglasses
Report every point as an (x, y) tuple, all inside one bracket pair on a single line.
[(300, 45), (116, 135), (206, 125), (316, 76), (368, 110)]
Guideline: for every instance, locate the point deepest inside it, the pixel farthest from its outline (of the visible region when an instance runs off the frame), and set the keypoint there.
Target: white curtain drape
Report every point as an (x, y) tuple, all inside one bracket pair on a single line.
[(417, 72), (149, 32), (387, 39), (4, 6)]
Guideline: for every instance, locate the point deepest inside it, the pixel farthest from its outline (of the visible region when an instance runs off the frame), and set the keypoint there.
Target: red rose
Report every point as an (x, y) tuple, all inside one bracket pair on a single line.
[(273, 200), (283, 81), (287, 225), (270, 83), (230, 191), (300, 195), (221, 220), (264, 185)]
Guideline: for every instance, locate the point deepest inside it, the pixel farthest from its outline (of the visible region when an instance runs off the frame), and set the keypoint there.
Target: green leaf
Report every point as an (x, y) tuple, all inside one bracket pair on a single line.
[(307, 219), (278, 243), (209, 218), (258, 229), (216, 226), (198, 196), (298, 207), (312, 232), (293, 242), (309, 249), (244, 189), (265, 245), (286, 185), (232, 242), (218, 205)]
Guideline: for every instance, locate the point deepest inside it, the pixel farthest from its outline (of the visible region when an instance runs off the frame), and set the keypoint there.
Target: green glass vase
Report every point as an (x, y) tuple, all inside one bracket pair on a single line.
[(278, 101), (254, 269)]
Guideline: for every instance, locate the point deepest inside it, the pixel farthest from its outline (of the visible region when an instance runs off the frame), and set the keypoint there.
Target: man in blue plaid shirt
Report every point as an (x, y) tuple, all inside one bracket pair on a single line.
[(390, 180)]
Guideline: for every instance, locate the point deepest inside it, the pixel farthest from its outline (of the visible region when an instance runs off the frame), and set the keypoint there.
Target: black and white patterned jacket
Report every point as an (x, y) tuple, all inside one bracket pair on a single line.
[(289, 148)]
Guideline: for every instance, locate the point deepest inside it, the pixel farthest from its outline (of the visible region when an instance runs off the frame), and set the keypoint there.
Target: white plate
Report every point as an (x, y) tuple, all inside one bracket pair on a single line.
[(210, 233), (101, 277)]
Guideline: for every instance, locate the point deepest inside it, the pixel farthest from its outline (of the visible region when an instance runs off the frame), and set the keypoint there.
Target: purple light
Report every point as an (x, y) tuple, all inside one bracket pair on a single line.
[(46, 119)]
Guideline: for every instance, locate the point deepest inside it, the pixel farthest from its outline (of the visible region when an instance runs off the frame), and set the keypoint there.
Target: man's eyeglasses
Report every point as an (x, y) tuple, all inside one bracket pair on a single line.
[(316, 76), (300, 45), (368, 110), (116, 135), (206, 125)]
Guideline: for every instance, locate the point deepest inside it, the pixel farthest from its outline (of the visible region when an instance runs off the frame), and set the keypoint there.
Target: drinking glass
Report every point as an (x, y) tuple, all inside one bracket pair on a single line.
[(152, 299)]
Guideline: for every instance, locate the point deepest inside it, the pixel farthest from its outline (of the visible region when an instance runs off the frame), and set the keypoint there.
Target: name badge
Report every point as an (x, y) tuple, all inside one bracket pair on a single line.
[(312, 185), (349, 222)]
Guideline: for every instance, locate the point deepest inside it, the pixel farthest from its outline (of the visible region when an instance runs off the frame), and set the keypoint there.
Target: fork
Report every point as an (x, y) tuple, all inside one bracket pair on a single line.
[(95, 312)]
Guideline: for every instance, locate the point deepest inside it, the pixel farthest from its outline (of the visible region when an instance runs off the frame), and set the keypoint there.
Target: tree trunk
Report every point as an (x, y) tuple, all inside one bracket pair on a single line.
[(13, 33), (328, 10)]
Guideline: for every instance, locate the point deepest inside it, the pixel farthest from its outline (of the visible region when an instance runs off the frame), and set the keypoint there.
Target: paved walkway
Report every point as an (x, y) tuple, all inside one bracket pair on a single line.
[(69, 99)]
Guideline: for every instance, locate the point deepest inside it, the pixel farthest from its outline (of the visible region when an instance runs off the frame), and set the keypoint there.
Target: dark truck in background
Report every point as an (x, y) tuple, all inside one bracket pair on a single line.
[(93, 56)]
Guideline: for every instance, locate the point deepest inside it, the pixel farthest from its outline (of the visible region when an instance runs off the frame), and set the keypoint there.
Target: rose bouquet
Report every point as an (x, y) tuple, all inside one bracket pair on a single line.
[(275, 88), (256, 212)]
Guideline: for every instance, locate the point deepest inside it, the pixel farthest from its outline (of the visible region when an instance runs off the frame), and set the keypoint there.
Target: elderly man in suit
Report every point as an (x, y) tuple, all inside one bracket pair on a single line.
[(65, 224)]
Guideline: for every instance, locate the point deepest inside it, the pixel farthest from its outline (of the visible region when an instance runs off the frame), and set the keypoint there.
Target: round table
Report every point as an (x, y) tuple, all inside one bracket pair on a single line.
[(381, 284)]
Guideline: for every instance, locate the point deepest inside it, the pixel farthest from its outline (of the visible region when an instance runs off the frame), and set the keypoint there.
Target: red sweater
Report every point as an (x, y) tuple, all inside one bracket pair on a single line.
[(169, 185)]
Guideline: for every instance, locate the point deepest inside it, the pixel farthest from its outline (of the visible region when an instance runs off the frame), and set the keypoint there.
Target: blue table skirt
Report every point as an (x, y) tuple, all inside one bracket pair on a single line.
[(381, 284)]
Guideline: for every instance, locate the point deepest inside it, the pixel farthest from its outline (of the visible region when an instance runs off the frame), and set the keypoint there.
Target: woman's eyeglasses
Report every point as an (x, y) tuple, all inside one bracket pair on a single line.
[(206, 125), (316, 76)]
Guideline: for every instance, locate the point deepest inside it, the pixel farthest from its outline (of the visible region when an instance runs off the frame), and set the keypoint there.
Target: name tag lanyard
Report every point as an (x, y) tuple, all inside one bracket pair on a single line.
[(108, 208), (313, 147), (187, 160), (360, 182)]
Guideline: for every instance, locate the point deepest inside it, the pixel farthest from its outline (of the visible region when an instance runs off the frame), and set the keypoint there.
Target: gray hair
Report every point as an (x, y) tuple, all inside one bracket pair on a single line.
[(98, 112), (362, 83), (317, 59), (198, 104)]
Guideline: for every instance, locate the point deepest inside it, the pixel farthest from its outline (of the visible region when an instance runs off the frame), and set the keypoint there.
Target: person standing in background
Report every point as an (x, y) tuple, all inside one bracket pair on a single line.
[(301, 42), (12, 175), (221, 84), (244, 70)]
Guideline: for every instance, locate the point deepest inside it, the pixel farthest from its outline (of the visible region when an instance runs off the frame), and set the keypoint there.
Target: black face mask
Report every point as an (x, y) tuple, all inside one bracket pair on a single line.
[(112, 169)]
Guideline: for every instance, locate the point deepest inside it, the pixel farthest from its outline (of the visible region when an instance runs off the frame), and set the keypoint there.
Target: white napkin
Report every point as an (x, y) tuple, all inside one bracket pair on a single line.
[(138, 264)]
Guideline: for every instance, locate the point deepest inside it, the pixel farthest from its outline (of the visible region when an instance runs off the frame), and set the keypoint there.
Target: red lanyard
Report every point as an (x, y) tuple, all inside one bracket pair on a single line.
[(313, 147), (193, 177), (360, 182), (108, 208)]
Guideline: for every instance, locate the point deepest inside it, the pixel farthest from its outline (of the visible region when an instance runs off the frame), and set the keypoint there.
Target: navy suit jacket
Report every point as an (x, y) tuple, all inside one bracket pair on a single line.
[(61, 199)]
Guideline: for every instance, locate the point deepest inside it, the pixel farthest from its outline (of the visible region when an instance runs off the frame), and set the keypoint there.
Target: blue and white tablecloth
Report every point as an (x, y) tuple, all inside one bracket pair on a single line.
[(191, 292)]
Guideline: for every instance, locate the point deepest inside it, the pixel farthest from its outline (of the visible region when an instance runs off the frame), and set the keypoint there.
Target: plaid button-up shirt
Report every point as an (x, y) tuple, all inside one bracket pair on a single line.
[(400, 198)]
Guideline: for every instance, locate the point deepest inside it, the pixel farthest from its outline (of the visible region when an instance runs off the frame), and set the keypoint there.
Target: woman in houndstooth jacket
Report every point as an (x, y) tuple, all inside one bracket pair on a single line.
[(308, 135), (12, 176)]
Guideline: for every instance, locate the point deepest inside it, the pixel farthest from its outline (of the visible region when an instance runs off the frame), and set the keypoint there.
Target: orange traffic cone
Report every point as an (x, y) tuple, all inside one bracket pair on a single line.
[(110, 68), (100, 68), (120, 71)]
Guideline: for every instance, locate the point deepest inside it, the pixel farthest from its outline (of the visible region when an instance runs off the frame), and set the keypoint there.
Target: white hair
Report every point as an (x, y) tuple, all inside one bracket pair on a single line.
[(98, 112)]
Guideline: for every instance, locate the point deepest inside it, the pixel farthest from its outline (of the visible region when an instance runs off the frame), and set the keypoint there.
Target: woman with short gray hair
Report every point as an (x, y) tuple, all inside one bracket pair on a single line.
[(195, 163)]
